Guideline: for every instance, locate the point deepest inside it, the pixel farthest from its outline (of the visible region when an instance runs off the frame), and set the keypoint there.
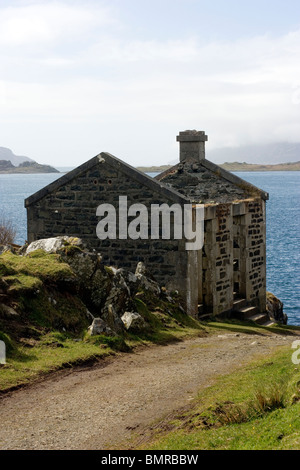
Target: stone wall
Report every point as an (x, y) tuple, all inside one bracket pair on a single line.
[(255, 253), (218, 259), (233, 257), (250, 251), (71, 210)]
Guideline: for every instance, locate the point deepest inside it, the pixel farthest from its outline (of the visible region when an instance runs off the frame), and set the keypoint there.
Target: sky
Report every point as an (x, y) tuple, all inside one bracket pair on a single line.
[(125, 76)]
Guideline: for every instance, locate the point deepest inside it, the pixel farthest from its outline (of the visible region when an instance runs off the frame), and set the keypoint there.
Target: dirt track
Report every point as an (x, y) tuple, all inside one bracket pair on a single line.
[(101, 406)]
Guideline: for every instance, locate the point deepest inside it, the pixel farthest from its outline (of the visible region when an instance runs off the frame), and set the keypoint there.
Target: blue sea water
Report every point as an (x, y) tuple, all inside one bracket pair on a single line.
[(283, 216)]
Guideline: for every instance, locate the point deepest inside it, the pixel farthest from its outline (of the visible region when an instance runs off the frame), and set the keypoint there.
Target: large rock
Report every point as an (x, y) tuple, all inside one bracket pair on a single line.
[(275, 309), (119, 296), (99, 327), (53, 245), (112, 319), (130, 279), (145, 279), (7, 312), (134, 322)]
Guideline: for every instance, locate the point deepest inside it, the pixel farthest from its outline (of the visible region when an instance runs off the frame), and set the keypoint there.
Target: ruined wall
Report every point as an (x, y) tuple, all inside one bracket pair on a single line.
[(253, 228), (250, 251), (217, 259), (234, 255)]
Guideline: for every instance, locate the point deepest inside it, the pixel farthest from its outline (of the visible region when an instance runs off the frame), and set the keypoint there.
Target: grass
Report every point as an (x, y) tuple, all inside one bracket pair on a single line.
[(49, 331), (49, 352), (257, 408), (38, 264), (46, 331), (35, 360)]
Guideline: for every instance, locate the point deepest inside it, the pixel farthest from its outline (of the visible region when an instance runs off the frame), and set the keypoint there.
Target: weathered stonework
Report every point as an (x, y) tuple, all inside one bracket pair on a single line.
[(233, 257)]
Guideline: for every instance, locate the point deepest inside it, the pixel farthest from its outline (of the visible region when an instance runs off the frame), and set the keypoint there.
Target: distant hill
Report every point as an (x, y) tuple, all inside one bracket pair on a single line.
[(11, 163), (7, 154), (237, 166), (154, 169), (25, 167), (267, 154), (234, 166)]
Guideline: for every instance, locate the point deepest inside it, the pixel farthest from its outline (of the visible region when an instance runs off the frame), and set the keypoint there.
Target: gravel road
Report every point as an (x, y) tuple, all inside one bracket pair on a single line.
[(100, 407)]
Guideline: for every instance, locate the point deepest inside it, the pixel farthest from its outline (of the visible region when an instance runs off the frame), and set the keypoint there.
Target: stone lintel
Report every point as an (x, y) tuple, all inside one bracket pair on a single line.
[(210, 212), (238, 208)]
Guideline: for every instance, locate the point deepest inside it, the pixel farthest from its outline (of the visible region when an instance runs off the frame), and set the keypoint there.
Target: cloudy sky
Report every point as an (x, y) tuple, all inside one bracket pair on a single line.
[(125, 76)]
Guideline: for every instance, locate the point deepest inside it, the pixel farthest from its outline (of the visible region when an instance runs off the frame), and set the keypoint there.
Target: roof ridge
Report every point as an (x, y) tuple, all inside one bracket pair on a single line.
[(114, 162)]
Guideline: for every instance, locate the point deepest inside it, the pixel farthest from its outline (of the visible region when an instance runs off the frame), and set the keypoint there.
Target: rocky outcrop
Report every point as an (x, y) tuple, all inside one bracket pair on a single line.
[(108, 292), (275, 309)]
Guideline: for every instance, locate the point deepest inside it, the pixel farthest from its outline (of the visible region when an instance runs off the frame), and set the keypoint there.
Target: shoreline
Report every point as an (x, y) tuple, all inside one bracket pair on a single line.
[(234, 166)]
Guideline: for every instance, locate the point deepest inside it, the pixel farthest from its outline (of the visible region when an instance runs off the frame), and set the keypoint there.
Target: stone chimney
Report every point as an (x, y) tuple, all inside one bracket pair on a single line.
[(192, 145)]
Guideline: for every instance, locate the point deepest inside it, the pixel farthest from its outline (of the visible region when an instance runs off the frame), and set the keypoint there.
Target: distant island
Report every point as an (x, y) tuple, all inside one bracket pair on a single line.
[(7, 167), (11, 163), (237, 166), (234, 166)]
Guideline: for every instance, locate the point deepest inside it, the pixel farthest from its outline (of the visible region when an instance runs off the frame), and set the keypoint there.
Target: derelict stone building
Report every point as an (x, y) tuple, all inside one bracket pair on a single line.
[(228, 273)]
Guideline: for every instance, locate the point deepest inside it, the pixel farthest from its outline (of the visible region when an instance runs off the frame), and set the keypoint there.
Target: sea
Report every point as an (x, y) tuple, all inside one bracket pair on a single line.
[(283, 224)]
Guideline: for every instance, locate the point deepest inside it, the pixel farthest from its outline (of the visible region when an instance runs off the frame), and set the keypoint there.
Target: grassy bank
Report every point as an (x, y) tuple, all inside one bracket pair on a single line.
[(255, 408), (44, 322), (48, 350)]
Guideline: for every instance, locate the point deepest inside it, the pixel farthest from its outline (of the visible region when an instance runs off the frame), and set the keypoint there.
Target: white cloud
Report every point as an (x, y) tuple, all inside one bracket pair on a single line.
[(48, 22), (72, 68)]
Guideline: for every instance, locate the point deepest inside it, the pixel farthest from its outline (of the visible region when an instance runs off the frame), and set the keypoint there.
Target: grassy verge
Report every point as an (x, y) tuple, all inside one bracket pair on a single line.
[(35, 348), (44, 322), (253, 409)]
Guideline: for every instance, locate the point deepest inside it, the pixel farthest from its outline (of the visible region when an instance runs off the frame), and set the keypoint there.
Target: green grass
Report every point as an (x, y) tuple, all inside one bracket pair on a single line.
[(28, 273), (167, 322), (256, 408), (51, 351), (55, 351)]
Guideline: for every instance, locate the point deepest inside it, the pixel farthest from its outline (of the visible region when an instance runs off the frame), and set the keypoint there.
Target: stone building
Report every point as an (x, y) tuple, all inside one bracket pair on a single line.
[(227, 274)]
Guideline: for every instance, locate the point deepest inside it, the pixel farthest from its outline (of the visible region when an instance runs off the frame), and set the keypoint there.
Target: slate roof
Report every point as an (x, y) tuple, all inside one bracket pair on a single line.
[(206, 182)]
